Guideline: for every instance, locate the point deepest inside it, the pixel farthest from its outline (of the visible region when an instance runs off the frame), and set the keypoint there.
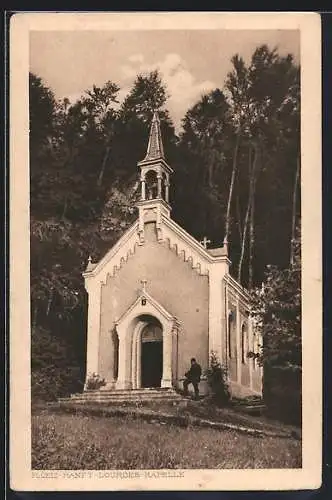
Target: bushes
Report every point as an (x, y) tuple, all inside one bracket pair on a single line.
[(282, 394), (54, 373), (94, 382), (52, 382), (277, 310), (217, 381)]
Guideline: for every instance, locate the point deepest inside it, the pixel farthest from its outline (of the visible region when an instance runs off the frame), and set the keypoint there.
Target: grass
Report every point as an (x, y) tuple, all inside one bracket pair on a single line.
[(76, 441)]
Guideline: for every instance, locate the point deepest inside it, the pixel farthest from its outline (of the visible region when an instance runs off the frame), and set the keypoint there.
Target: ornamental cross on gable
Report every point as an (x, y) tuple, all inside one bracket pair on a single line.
[(143, 298), (205, 242), (143, 283)]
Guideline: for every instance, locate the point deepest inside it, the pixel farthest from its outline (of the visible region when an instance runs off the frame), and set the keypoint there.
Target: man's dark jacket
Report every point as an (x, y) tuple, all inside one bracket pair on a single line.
[(195, 372)]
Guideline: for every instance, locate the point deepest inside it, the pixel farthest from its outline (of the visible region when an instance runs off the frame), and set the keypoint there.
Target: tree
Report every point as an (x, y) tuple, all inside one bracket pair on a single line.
[(99, 104), (276, 309), (264, 101), (59, 246), (147, 95), (202, 166), (237, 88), (42, 111)]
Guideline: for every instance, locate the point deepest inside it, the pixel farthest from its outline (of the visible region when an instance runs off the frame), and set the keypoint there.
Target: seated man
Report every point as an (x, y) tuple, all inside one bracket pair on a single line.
[(193, 376)]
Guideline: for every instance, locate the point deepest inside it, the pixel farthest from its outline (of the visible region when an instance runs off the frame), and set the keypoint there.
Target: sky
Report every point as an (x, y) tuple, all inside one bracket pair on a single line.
[(192, 62)]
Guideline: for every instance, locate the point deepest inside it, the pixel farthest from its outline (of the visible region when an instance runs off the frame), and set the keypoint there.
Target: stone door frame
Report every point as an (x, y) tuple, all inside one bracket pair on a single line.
[(136, 361), (129, 328)]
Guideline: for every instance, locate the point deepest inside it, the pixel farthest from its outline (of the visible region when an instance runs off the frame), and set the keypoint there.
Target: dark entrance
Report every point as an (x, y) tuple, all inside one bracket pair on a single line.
[(151, 356)]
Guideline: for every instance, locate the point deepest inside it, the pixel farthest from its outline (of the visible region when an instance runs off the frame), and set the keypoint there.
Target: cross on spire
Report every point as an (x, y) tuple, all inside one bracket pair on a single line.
[(205, 242)]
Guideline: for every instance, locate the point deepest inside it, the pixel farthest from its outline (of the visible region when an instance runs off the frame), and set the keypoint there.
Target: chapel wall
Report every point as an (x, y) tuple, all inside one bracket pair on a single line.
[(170, 281), (246, 345), (231, 340), (245, 375)]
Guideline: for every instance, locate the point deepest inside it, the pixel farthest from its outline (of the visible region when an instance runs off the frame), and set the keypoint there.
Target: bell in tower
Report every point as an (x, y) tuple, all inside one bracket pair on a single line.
[(155, 174)]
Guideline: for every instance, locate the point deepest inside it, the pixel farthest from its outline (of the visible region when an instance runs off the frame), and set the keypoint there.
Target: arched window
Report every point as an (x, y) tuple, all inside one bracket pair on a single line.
[(244, 342)]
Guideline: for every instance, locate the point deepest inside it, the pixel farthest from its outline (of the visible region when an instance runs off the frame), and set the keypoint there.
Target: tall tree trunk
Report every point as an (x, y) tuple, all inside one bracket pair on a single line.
[(251, 238), (103, 165), (238, 208), (210, 173), (231, 187), (246, 220), (251, 241), (297, 175), (49, 302), (64, 212), (238, 215)]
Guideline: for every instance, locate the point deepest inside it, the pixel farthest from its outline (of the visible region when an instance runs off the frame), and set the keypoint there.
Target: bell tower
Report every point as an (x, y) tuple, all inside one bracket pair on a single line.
[(154, 176)]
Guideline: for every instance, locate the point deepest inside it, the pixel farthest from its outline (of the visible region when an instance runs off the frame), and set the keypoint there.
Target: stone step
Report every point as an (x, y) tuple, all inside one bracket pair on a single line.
[(134, 392), (126, 395), (118, 401), (134, 396), (123, 398), (142, 389)]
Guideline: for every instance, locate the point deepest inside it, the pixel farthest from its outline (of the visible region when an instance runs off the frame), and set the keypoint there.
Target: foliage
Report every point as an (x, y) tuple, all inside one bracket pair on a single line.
[(277, 313), (42, 110), (217, 380), (202, 166), (54, 372), (264, 98), (276, 308), (148, 94), (94, 382)]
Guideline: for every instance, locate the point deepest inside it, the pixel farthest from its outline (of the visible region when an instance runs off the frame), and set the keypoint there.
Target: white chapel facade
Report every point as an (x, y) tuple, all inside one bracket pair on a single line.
[(159, 297)]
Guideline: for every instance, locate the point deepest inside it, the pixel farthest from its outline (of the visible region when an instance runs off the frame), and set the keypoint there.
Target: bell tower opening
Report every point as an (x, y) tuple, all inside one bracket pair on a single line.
[(151, 182)]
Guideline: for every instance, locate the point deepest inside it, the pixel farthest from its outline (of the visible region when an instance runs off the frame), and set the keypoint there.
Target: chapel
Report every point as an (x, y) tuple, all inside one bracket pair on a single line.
[(159, 297)]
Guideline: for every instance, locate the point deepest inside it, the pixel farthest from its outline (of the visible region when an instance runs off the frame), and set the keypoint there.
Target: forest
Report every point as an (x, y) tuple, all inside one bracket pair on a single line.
[(236, 162)]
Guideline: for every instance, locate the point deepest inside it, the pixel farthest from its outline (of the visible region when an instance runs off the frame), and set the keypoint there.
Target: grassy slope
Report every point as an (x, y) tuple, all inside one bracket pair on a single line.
[(84, 442)]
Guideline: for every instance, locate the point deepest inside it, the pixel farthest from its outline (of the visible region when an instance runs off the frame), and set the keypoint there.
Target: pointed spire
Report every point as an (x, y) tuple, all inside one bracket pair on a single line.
[(155, 149)]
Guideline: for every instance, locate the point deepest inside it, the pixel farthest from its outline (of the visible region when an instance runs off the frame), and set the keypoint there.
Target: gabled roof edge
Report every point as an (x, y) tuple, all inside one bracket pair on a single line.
[(112, 251), (153, 302), (192, 241)]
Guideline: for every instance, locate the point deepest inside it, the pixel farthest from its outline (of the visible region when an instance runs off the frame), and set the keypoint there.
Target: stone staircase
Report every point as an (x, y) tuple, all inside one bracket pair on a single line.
[(253, 405), (117, 396)]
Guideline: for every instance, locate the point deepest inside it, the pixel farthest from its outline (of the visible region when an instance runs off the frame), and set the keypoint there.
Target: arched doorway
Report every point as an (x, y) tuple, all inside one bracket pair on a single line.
[(151, 353), (146, 313)]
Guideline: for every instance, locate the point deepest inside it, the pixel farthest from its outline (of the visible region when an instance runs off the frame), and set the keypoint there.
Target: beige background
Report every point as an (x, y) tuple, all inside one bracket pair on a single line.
[(21, 476)]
